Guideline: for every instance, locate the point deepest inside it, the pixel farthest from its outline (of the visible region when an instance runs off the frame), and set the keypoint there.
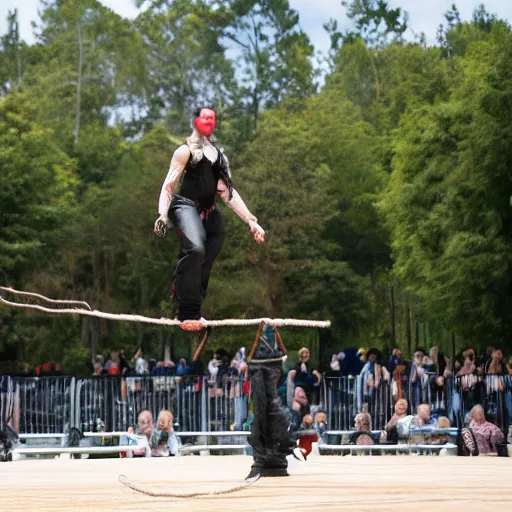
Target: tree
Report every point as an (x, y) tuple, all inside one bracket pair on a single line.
[(185, 63), (275, 54), (447, 204), (376, 23), (11, 60)]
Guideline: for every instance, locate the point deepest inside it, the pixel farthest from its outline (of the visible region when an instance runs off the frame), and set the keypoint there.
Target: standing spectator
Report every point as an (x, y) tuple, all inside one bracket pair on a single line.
[(395, 359), (113, 367), (469, 388), (334, 369), (124, 365), (372, 375), (489, 351), (183, 368), (488, 436), (418, 378), (497, 365), (350, 362), (141, 365), (213, 367), (300, 408), (304, 376)]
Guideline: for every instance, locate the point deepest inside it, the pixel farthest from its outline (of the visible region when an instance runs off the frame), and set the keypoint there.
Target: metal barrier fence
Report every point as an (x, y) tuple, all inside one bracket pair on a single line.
[(46, 404), (54, 404), (343, 397), (7, 399)]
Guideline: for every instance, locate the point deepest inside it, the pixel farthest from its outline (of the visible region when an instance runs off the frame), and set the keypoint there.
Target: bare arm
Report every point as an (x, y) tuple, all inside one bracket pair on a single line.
[(178, 164), (237, 204)]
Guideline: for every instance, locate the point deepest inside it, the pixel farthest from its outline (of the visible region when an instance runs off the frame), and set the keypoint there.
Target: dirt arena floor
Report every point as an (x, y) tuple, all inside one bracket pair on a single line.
[(324, 483)]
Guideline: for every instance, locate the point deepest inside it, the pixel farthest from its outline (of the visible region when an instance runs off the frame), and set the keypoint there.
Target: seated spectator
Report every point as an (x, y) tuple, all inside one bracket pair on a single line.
[(306, 439), (392, 431), (167, 442), (363, 434), (488, 435), (304, 376), (320, 423), (145, 427), (438, 437), (423, 417)]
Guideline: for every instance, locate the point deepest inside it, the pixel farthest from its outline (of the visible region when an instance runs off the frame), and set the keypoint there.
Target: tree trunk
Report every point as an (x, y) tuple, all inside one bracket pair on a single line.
[(408, 327), (79, 85), (393, 317)]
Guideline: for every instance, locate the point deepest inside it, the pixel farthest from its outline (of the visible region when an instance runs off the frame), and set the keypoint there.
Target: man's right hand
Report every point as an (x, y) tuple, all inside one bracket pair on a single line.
[(161, 225)]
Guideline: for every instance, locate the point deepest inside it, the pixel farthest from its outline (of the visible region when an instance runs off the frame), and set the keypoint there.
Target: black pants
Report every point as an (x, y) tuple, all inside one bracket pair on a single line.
[(200, 243), (270, 439)]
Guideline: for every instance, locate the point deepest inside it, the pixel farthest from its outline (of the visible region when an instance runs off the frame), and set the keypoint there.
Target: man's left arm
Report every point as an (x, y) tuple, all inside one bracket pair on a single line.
[(237, 204)]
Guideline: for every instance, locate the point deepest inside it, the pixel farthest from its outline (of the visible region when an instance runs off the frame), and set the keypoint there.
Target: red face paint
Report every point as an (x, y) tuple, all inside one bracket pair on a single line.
[(205, 123)]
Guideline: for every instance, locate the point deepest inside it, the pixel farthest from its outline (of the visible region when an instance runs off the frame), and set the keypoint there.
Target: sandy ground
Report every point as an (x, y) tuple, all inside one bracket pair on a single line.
[(401, 483)]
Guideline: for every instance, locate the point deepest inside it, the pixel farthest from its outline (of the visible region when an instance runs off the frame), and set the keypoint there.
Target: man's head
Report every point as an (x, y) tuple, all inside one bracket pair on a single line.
[(145, 422), (397, 353), (419, 355), (423, 412), (363, 421), (205, 121)]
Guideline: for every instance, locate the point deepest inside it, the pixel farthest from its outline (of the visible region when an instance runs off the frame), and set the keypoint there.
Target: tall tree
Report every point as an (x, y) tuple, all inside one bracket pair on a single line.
[(11, 59), (275, 54), (447, 204)]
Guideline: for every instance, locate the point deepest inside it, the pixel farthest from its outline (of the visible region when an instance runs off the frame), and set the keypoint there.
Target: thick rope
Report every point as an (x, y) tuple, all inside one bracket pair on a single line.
[(42, 297), (274, 322), (242, 485)]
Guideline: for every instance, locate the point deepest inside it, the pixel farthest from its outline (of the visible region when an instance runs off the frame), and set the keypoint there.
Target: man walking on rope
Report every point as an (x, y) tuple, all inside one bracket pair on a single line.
[(199, 171)]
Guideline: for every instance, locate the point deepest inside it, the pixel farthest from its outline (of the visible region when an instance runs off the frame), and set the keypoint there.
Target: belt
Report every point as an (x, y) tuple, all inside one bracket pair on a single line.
[(207, 211)]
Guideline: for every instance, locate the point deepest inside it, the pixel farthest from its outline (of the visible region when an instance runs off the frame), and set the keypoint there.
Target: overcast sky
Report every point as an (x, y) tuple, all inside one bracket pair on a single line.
[(424, 16)]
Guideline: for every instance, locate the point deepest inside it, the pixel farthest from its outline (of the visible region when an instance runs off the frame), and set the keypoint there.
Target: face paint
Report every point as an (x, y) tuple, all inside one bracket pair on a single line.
[(205, 123)]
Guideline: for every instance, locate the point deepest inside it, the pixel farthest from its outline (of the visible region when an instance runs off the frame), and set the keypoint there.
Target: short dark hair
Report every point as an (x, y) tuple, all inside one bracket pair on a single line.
[(197, 111)]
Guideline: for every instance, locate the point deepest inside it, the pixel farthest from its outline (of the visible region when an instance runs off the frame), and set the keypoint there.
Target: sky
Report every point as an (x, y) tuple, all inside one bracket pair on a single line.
[(424, 16)]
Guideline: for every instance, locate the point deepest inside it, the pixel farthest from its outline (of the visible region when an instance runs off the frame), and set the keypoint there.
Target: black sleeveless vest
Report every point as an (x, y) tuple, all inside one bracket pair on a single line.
[(199, 182)]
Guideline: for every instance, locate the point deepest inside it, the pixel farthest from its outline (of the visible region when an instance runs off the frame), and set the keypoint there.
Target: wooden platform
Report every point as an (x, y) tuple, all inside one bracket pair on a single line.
[(398, 483)]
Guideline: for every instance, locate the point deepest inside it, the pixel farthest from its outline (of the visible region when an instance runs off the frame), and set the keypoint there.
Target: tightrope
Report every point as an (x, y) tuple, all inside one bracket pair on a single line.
[(274, 322)]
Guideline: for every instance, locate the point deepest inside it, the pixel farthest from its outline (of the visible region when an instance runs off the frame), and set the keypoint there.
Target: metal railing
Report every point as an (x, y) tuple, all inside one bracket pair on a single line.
[(54, 404)]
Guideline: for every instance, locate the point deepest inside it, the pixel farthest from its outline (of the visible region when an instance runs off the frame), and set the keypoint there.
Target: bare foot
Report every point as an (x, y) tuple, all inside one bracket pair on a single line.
[(191, 325)]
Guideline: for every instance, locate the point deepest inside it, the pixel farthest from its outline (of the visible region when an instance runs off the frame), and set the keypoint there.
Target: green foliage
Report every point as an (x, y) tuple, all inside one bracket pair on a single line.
[(447, 203), (385, 196)]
